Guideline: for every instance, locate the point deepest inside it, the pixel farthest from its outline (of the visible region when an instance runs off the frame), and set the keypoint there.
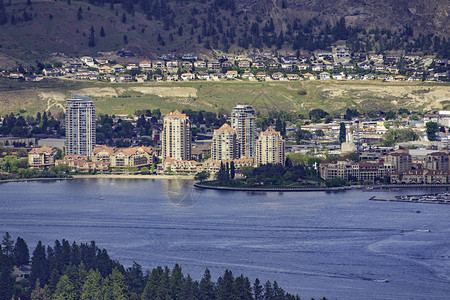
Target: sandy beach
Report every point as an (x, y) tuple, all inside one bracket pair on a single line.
[(132, 176)]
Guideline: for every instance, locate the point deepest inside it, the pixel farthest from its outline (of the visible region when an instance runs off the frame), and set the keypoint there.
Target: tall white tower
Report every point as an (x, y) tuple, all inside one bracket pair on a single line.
[(80, 125)]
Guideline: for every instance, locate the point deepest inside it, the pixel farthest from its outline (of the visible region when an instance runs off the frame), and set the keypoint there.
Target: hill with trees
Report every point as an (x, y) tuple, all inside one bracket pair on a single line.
[(31, 29)]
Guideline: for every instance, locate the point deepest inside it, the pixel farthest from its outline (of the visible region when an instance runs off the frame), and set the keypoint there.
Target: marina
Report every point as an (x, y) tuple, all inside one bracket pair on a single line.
[(439, 198)]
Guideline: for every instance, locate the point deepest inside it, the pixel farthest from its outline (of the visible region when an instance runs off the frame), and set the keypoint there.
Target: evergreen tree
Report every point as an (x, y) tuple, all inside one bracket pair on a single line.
[(21, 252), (225, 286), (91, 42), (342, 132), (37, 293), (232, 170), (135, 279), (80, 14), (207, 289), (92, 287), (116, 285), (258, 290), (6, 283), (8, 245), (65, 290), (432, 129), (176, 282), (102, 32), (39, 265)]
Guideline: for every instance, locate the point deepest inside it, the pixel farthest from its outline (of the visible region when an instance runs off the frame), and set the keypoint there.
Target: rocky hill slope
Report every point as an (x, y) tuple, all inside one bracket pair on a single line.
[(31, 29)]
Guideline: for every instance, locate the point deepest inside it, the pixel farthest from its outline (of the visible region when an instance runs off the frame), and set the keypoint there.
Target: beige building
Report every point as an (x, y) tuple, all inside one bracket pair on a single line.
[(176, 136), (437, 161), (400, 161), (42, 157), (124, 157), (421, 176), (224, 143), (269, 148)]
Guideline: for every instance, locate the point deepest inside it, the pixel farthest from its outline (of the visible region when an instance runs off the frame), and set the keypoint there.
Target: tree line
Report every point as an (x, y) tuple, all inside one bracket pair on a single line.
[(84, 271)]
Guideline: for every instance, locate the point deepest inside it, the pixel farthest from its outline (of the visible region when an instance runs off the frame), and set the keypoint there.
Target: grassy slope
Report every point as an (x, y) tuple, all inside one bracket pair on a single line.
[(214, 96)]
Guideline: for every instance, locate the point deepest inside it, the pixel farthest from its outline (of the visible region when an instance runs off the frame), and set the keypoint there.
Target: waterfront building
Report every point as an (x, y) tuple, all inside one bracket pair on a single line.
[(176, 136), (42, 157), (224, 143), (80, 125), (269, 148), (400, 161), (243, 120), (124, 157), (437, 161)]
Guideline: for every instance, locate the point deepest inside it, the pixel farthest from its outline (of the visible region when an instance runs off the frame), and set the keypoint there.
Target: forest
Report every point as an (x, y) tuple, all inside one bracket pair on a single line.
[(84, 271)]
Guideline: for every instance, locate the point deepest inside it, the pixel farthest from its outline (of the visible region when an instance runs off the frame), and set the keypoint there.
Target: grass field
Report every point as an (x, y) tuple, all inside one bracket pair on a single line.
[(332, 96)]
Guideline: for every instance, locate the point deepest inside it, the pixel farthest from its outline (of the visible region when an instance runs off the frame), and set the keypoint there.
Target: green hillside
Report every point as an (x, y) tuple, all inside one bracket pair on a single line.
[(300, 97)]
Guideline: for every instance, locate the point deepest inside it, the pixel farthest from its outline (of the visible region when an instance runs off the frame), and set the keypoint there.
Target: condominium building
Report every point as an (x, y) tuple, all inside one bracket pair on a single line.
[(243, 120), (224, 143), (438, 161), (80, 125), (42, 157), (176, 136), (269, 148), (400, 161)]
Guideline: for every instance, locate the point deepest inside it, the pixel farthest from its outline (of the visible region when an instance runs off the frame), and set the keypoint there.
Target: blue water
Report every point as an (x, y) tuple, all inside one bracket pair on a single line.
[(338, 245)]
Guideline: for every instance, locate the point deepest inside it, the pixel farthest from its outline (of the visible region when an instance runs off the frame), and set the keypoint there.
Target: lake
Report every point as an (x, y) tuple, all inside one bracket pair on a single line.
[(339, 245)]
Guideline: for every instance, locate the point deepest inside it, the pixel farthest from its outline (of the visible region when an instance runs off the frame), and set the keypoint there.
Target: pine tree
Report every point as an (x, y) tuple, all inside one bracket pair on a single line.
[(342, 132), (176, 282), (232, 170), (225, 286), (8, 245), (6, 284), (80, 14), (91, 42), (117, 285), (92, 287), (65, 290), (39, 265), (21, 252), (207, 287), (102, 32), (258, 290)]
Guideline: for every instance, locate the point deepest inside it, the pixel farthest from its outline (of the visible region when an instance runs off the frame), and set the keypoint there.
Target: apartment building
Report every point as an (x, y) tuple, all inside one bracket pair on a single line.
[(269, 148), (80, 125), (176, 136), (224, 143), (243, 120)]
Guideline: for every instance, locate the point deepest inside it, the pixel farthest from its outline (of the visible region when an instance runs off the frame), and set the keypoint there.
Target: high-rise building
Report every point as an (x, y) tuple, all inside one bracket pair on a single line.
[(176, 136), (269, 148), (80, 125), (224, 143), (243, 120)]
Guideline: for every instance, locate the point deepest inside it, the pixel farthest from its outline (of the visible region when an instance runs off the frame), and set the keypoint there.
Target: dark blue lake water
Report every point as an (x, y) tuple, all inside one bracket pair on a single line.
[(338, 245)]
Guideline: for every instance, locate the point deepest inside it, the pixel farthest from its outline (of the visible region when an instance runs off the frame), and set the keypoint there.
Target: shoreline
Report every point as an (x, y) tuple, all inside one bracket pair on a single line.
[(322, 189), (102, 176), (124, 176)]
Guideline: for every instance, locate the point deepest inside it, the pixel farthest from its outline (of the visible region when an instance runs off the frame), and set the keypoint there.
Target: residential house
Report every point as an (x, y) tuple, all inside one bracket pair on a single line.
[(277, 76), (118, 68), (231, 74), (324, 76), (200, 64), (244, 64), (158, 64), (293, 77), (187, 76)]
